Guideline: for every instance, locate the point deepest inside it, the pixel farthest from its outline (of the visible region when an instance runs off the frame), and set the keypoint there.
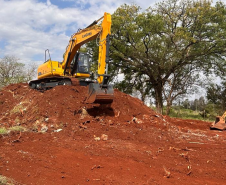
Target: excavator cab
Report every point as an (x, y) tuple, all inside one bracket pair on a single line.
[(80, 64), (83, 63), (101, 93)]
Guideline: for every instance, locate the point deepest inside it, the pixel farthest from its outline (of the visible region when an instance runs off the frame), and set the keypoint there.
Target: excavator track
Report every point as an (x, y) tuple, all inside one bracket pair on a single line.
[(96, 94), (48, 83)]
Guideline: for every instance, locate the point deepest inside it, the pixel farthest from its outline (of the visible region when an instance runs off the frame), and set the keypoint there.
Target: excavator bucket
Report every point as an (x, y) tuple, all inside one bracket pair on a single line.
[(101, 95), (219, 124)]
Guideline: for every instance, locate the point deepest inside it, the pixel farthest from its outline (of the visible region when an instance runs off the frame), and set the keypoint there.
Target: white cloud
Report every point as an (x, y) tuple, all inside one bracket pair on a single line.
[(28, 27), (143, 4)]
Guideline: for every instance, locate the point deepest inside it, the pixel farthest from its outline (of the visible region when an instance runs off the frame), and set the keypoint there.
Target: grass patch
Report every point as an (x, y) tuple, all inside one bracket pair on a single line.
[(17, 109), (18, 128), (189, 114), (7, 181), (3, 131), (3, 180)]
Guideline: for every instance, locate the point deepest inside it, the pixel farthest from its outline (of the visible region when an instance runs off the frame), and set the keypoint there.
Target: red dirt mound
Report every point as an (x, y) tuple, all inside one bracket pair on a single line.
[(65, 105), (125, 143)]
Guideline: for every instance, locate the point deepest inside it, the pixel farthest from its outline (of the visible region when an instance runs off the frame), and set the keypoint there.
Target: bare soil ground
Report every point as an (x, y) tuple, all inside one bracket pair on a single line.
[(70, 142)]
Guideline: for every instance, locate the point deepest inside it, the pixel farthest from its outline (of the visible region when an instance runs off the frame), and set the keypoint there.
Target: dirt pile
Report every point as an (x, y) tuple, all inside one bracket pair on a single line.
[(64, 105), (71, 142)]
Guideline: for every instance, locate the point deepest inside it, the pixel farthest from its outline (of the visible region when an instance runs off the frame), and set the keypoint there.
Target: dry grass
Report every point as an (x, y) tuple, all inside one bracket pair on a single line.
[(19, 108), (3, 130), (7, 181), (18, 128)]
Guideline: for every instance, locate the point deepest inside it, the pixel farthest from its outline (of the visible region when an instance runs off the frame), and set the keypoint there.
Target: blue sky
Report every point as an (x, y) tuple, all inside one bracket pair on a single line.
[(28, 27)]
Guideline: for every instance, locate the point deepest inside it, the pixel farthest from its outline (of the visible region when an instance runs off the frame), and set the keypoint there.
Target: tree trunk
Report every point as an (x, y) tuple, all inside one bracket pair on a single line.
[(168, 106), (158, 98), (143, 97)]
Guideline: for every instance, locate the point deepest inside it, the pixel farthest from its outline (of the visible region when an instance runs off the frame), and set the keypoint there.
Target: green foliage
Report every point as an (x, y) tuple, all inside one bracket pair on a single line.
[(12, 71), (92, 49), (216, 95), (18, 128), (180, 112), (214, 110), (162, 50), (3, 131), (168, 43), (197, 109)]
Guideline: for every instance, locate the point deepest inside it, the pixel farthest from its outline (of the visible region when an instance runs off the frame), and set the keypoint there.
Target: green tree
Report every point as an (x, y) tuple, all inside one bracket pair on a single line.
[(179, 84), (224, 95), (216, 95), (12, 71), (164, 41), (186, 104), (201, 104)]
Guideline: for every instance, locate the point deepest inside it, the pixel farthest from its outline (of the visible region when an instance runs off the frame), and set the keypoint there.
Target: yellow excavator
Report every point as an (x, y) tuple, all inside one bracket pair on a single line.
[(220, 123), (75, 67)]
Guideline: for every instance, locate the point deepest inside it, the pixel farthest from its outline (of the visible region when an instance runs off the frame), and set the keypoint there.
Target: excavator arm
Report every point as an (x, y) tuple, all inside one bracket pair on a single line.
[(85, 35), (53, 73), (102, 92)]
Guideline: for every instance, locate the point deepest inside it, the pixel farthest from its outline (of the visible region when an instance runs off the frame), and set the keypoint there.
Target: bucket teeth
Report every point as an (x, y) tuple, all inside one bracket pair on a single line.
[(98, 94)]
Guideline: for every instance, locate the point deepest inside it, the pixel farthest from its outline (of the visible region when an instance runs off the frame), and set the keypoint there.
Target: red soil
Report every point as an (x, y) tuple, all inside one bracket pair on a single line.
[(141, 146)]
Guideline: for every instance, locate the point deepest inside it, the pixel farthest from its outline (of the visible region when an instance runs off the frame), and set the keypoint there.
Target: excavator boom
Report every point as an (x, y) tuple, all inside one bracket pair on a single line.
[(76, 64)]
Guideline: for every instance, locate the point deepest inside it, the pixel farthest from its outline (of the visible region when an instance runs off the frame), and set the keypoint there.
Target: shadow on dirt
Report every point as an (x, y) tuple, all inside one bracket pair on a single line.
[(102, 110)]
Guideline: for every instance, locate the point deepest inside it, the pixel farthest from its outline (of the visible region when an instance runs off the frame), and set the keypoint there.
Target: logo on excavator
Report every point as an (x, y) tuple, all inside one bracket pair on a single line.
[(87, 34)]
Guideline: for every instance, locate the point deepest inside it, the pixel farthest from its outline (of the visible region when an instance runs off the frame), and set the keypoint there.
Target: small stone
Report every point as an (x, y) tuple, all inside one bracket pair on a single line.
[(97, 138), (110, 122), (58, 130), (136, 120), (44, 128), (104, 137)]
